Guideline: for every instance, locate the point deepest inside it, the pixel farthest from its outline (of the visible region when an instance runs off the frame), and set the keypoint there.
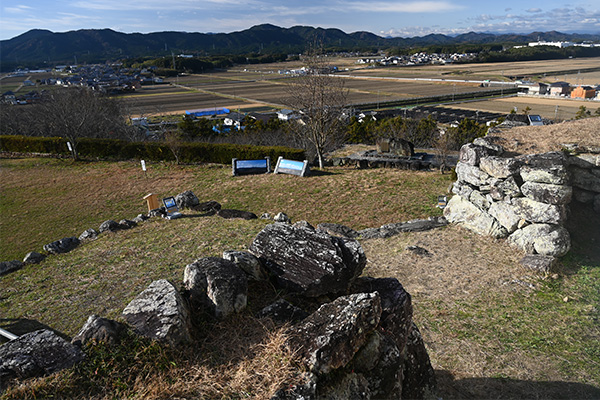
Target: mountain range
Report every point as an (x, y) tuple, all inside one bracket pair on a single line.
[(39, 47)]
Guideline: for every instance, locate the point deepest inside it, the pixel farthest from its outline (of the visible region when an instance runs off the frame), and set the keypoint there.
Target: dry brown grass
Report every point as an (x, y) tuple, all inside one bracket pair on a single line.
[(540, 139)]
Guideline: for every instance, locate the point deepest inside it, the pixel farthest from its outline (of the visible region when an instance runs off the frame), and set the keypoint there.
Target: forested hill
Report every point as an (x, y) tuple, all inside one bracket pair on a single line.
[(39, 47)]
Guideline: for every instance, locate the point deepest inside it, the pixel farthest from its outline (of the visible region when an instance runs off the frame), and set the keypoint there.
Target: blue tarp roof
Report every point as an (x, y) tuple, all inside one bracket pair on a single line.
[(207, 111)]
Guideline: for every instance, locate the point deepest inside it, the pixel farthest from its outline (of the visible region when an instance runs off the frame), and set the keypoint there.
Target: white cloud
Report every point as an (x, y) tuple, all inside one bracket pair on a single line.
[(534, 10), (18, 9), (404, 7)]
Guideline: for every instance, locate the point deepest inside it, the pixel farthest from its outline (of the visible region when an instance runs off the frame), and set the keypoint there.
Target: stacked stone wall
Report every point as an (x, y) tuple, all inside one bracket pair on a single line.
[(524, 198)]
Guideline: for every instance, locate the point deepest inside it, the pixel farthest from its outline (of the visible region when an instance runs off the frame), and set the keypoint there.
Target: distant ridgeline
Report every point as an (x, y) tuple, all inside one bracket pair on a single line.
[(43, 48)]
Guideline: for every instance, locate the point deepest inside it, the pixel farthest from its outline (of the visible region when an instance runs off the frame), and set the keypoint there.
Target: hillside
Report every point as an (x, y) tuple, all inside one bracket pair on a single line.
[(43, 47)]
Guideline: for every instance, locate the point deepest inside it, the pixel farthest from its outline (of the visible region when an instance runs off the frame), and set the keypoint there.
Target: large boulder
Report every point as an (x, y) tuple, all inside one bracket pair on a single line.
[(547, 193), (544, 239), (499, 167), (505, 214), (501, 189), (545, 168), (492, 143), (417, 225), (396, 306), (309, 261), (329, 338), (186, 199), (471, 174), (62, 246), (419, 377), (37, 353), (537, 212), (248, 263), (218, 284), (462, 212), (471, 154), (160, 313), (210, 207), (98, 329), (282, 311)]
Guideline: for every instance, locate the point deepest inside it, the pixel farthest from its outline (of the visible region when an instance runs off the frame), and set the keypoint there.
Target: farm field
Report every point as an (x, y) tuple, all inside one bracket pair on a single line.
[(542, 106)]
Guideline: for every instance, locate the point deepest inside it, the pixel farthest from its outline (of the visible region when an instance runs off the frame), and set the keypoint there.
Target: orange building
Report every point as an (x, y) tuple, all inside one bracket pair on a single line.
[(583, 92)]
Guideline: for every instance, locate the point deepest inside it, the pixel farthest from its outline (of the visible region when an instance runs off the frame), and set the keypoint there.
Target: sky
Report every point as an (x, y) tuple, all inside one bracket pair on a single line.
[(382, 17)]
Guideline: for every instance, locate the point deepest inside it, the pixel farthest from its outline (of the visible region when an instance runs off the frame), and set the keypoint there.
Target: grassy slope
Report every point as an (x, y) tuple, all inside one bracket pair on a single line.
[(490, 340)]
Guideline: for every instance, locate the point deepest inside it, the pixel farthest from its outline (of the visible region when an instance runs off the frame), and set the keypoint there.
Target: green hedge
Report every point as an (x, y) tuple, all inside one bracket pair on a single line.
[(110, 149)]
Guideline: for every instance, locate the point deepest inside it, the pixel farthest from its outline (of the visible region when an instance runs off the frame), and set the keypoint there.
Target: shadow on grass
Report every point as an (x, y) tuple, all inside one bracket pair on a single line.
[(21, 326), (505, 388)]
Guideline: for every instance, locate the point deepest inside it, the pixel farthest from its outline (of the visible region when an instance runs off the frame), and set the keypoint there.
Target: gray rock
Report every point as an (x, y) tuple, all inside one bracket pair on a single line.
[(127, 224), (586, 160), (282, 217), (186, 199), (346, 386), (597, 203), (544, 239), (248, 263), (309, 261), (329, 338), (230, 214), (218, 284), (97, 329), (10, 266), (492, 143), (547, 193), (506, 188), (471, 174), (471, 154), (282, 311), (88, 235), (545, 168), (418, 250), (396, 306), (499, 167), (585, 179), (419, 378), (478, 199), (505, 214), (160, 313), (463, 189), (539, 263), (265, 216), (338, 230), (62, 246), (33, 258), (380, 362), (37, 354), (109, 226), (462, 212), (537, 212)]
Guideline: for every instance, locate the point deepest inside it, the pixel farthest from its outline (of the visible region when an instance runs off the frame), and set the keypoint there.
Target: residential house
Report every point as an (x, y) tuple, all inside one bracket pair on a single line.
[(234, 119), (535, 88), (560, 88), (583, 92), (287, 115), (9, 97)]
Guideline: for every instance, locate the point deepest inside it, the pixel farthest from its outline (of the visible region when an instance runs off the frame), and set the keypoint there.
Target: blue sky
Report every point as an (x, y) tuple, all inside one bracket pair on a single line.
[(382, 17)]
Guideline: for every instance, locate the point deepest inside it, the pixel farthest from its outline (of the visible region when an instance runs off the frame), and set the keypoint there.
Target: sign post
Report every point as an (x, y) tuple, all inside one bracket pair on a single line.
[(292, 167), (144, 168)]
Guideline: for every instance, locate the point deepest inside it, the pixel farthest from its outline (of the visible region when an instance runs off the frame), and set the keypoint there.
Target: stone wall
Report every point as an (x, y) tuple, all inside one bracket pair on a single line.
[(523, 198)]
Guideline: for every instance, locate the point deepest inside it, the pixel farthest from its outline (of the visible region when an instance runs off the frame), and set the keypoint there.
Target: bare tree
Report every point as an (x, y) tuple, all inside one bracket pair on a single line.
[(321, 99), (74, 113)]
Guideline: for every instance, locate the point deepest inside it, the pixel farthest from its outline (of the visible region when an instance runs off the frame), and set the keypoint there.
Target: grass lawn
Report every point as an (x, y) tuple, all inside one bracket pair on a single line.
[(492, 328)]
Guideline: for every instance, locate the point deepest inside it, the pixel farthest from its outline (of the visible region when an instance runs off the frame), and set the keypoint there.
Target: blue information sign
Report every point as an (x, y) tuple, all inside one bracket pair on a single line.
[(246, 167), (292, 167)]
